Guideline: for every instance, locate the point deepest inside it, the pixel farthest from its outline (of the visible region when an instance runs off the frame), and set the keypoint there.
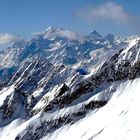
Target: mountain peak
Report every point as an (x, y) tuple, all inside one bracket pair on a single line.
[(110, 37), (50, 29), (95, 33)]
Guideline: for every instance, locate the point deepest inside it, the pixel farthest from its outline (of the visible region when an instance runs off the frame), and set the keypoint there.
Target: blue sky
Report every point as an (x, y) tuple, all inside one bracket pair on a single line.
[(23, 17)]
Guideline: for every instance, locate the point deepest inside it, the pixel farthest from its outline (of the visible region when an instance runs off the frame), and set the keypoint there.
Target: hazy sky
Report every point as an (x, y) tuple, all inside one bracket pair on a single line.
[(23, 17)]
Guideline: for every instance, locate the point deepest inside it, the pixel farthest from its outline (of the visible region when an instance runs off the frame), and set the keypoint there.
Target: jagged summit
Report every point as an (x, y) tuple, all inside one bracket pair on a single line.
[(110, 37), (54, 29), (54, 33), (94, 33), (50, 29)]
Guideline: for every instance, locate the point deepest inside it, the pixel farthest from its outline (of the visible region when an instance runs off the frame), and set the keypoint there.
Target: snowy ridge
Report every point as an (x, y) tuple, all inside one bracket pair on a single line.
[(117, 120)]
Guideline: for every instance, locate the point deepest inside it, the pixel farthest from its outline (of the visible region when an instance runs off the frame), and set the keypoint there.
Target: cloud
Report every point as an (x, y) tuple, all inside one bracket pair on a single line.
[(110, 12), (8, 38), (60, 32), (68, 34)]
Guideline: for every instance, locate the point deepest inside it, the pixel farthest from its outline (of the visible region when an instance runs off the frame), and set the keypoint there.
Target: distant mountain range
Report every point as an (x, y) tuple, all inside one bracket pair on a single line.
[(61, 85)]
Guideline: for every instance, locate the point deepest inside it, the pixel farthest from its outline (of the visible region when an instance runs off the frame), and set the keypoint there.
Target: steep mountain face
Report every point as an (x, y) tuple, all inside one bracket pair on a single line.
[(59, 83)]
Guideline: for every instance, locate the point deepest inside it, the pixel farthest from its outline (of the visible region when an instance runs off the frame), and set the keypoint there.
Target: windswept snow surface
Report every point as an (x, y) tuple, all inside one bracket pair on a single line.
[(4, 93), (118, 120)]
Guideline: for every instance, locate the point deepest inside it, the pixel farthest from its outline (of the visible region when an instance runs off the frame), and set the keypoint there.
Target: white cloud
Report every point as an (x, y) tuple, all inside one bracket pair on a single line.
[(8, 38), (110, 11), (68, 34)]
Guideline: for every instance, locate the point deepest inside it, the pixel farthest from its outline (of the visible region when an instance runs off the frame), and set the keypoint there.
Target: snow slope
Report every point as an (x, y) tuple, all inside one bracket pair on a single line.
[(118, 120)]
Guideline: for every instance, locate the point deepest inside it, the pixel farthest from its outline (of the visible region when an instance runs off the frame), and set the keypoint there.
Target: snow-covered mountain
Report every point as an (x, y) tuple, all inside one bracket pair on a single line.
[(61, 85)]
